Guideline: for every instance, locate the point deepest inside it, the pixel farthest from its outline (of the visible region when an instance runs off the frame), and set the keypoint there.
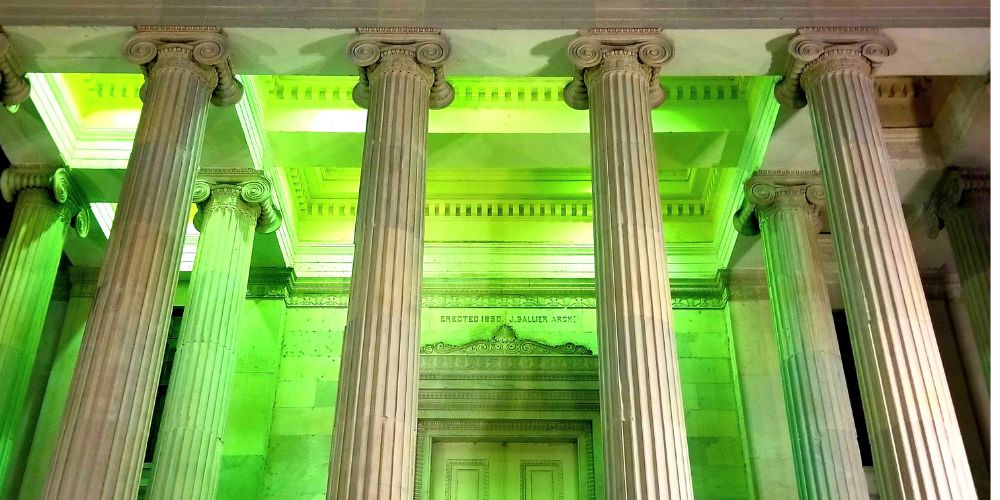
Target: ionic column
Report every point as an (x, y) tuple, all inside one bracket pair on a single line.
[(14, 87), (376, 418), (784, 209), (231, 207), (915, 437), (642, 415), (110, 403), (961, 203), (45, 207)]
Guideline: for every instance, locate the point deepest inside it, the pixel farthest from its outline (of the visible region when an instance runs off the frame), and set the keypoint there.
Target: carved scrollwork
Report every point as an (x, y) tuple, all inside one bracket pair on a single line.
[(957, 188), (205, 50), (74, 210), (506, 342), (768, 192), (640, 50), (241, 189), (14, 86), (817, 51), (419, 51)]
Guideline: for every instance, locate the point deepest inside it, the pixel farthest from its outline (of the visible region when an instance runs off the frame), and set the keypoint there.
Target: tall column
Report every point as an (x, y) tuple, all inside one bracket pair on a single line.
[(642, 415), (376, 418), (231, 206), (784, 209), (110, 403), (961, 203), (45, 207), (915, 437)]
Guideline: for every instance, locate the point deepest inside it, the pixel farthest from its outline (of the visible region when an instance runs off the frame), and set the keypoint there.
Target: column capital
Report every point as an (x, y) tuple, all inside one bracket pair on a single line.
[(767, 192), (421, 50), (817, 51), (74, 210), (639, 49), (241, 185), (958, 187), (204, 50), (14, 87)]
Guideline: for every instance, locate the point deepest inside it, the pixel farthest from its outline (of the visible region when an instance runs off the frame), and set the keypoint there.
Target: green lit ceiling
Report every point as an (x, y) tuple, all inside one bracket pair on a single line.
[(508, 192)]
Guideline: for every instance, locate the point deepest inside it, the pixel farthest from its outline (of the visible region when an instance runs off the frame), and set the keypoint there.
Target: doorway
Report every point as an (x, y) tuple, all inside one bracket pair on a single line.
[(504, 470)]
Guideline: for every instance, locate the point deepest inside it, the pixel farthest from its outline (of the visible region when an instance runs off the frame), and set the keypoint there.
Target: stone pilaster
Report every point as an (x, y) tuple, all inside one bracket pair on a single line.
[(14, 87), (45, 207), (232, 205), (376, 417), (914, 432), (645, 443), (784, 209), (961, 203), (110, 403)]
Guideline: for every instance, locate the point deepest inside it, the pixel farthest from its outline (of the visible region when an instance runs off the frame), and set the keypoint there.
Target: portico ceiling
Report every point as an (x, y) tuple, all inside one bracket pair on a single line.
[(508, 166), (508, 178)]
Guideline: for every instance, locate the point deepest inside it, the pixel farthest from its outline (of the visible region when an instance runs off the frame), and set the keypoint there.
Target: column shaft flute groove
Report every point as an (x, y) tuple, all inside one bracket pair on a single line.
[(914, 430), (28, 265), (645, 441), (188, 454), (960, 203), (104, 430), (824, 440), (375, 426)]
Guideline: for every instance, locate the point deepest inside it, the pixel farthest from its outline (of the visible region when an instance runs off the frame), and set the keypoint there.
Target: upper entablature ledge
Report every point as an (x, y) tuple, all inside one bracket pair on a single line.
[(493, 52)]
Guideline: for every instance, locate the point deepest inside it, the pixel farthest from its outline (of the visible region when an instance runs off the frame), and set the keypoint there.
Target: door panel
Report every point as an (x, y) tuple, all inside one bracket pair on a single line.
[(504, 471)]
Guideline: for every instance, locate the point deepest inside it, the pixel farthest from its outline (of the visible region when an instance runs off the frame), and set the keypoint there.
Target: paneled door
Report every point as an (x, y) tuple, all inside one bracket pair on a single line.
[(464, 470)]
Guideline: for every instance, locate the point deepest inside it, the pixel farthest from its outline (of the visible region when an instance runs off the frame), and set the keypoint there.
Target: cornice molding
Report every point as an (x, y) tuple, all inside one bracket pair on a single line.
[(14, 86), (202, 48), (636, 49), (769, 191), (958, 188), (685, 294), (57, 183), (425, 48), (835, 47), (254, 189)]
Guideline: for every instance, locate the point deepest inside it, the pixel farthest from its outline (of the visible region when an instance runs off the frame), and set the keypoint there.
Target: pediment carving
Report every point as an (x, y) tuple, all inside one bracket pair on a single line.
[(506, 342)]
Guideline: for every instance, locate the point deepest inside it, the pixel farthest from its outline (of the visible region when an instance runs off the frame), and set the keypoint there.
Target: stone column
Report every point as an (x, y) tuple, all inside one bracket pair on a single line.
[(376, 417), (108, 411), (915, 437), (232, 205), (784, 209), (642, 415), (45, 207), (961, 203), (14, 87)]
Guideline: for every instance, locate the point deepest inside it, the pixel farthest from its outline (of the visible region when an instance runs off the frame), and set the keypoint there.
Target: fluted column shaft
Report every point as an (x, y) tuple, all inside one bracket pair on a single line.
[(914, 431), (189, 447), (961, 204), (824, 440), (103, 434), (376, 416), (642, 415), (29, 261)]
